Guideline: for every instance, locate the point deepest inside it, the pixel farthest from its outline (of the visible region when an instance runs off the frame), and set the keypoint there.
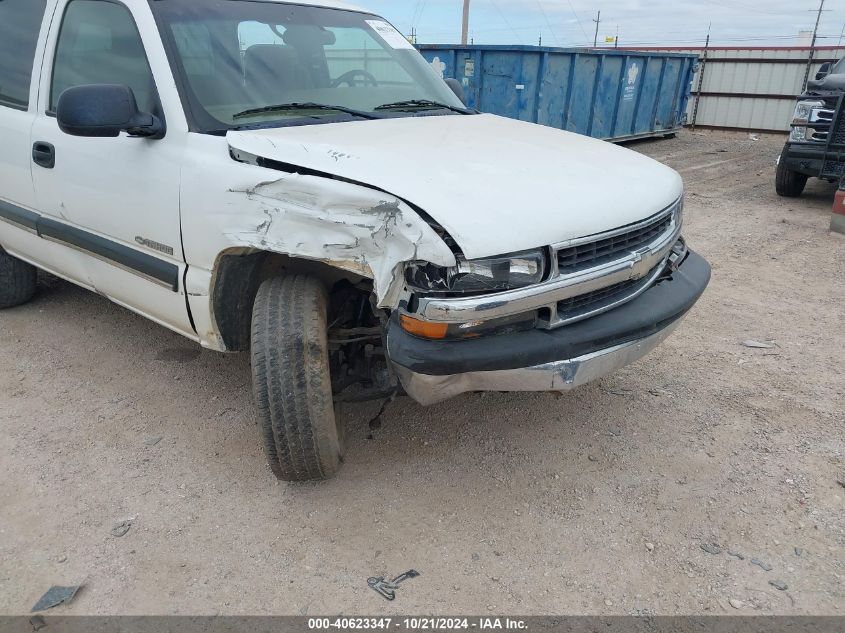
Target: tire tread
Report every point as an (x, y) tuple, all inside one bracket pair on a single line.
[(17, 281), (292, 383), (788, 183)]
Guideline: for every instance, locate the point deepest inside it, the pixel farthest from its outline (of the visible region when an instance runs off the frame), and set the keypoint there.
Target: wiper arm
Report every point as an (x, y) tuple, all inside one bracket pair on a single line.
[(285, 107), (416, 104)]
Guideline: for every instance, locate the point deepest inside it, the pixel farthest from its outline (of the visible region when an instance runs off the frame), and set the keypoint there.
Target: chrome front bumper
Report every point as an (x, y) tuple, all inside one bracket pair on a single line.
[(561, 375)]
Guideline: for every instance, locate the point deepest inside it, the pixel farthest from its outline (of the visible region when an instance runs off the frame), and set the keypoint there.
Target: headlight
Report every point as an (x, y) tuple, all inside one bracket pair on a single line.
[(490, 274), (679, 211), (798, 133), (804, 111)]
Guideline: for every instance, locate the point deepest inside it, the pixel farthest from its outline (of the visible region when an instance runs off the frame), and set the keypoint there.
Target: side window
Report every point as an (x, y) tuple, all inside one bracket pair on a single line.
[(20, 23), (99, 44)]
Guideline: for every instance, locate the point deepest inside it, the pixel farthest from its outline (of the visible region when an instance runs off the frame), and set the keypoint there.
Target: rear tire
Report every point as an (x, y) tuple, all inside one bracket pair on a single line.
[(302, 437), (788, 183), (17, 281)]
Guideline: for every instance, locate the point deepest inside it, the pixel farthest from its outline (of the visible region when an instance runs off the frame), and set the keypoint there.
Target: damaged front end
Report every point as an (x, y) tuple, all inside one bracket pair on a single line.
[(347, 225), (278, 218), (408, 307)]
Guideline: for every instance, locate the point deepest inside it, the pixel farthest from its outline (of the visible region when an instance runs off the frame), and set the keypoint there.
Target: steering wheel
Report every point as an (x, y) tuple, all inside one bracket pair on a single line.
[(349, 78)]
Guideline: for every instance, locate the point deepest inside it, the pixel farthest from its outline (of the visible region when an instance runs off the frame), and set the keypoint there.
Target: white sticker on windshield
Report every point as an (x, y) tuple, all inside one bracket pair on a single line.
[(389, 34)]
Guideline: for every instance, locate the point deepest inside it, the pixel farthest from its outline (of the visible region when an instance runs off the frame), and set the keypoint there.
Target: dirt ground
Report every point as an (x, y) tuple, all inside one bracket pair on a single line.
[(600, 501)]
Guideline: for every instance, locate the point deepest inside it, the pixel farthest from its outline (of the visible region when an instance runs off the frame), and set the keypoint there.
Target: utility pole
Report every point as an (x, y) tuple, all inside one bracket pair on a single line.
[(598, 21), (812, 47), (616, 41), (701, 77), (465, 26)]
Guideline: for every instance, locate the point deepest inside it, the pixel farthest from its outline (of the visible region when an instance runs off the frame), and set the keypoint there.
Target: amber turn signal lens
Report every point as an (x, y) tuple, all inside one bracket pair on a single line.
[(424, 329)]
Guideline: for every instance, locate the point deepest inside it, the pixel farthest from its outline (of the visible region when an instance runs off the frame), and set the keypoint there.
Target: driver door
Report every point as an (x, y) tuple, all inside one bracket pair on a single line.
[(114, 200)]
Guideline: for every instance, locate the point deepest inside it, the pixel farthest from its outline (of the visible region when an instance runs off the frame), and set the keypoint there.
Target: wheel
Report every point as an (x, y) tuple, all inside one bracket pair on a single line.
[(788, 183), (17, 280), (302, 436)]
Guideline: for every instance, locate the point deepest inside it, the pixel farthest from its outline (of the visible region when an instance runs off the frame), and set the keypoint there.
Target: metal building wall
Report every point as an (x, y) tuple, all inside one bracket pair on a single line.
[(751, 88)]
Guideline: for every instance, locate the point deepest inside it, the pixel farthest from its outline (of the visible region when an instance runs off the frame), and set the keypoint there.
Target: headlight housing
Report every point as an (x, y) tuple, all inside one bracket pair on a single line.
[(804, 111), (798, 134), (490, 274)]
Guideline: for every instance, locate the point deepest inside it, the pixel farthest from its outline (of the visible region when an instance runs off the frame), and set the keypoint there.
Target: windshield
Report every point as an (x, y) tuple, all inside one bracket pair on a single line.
[(242, 63)]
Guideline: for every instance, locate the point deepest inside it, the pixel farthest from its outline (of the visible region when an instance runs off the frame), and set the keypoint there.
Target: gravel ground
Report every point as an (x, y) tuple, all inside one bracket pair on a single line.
[(650, 491)]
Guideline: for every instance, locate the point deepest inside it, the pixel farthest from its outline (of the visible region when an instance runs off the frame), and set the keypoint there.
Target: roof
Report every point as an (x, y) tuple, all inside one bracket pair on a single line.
[(331, 4)]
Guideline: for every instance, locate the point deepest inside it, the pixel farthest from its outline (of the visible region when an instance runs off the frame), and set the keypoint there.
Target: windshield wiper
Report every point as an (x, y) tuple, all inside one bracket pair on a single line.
[(421, 104), (290, 107)]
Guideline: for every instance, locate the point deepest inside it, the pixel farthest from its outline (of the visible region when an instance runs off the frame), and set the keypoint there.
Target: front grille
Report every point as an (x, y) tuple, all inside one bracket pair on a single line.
[(587, 303), (838, 137), (825, 115), (577, 258), (833, 169)]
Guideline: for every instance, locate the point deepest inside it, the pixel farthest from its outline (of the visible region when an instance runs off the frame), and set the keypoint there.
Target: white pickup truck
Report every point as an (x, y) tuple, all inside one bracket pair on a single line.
[(293, 180)]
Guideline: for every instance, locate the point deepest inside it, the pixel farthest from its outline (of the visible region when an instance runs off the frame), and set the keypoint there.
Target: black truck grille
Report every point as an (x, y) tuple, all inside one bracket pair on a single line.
[(833, 169), (838, 136), (584, 256), (598, 299)]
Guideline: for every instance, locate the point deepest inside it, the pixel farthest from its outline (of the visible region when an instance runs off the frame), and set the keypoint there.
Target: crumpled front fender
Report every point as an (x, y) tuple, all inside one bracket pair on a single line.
[(345, 225)]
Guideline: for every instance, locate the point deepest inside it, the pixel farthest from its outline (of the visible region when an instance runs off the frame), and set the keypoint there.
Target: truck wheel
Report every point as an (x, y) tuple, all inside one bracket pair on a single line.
[(788, 183), (17, 280), (303, 439)]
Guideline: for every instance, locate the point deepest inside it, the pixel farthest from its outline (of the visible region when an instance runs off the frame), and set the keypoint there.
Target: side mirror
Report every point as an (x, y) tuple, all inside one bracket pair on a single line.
[(457, 88), (104, 110), (824, 71)]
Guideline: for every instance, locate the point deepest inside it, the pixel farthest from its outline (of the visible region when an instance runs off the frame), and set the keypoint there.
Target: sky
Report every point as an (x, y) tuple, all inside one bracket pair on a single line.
[(640, 22)]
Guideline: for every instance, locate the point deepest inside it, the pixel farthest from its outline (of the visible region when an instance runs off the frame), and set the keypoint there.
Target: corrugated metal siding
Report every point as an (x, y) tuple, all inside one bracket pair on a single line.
[(758, 94)]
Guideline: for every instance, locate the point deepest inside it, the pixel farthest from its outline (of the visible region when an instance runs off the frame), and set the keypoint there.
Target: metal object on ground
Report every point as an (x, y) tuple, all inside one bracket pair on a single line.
[(608, 94), (387, 588), (55, 596)]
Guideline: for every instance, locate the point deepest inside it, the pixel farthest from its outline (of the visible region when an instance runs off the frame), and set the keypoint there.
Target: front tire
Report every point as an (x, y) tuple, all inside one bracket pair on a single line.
[(302, 437), (17, 281), (788, 183)]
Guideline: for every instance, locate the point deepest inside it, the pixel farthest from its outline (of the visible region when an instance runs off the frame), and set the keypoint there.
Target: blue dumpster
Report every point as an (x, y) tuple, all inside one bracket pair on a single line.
[(608, 94)]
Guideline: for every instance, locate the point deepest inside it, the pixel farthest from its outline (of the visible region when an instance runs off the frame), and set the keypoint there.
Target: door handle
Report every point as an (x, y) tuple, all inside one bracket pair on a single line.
[(44, 154)]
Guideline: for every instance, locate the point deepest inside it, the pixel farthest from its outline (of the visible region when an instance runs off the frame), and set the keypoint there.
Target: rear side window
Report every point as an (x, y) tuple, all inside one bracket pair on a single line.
[(20, 23), (100, 44)]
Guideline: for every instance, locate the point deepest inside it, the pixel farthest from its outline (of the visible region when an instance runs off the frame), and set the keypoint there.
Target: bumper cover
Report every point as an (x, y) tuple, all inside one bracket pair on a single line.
[(815, 160), (548, 360)]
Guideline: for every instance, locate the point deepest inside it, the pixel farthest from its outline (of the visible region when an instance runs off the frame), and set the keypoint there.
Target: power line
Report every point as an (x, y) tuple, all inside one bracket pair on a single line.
[(577, 19), (548, 22), (414, 12), (505, 20), (745, 7), (418, 13)]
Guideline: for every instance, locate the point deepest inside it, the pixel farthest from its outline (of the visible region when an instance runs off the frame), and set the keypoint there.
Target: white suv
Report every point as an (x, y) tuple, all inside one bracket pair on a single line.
[(293, 179)]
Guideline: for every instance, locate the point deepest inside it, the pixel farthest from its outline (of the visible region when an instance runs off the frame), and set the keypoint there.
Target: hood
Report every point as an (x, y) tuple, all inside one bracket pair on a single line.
[(495, 184)]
